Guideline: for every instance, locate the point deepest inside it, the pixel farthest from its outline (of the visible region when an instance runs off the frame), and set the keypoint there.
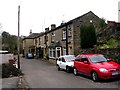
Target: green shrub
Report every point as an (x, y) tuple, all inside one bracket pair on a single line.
[(88, 36), (10, 70)]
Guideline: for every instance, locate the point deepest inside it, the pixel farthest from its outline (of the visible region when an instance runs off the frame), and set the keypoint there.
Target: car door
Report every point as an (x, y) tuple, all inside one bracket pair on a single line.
[(59, 61), (63, 63), (77, 63), (85, 65)]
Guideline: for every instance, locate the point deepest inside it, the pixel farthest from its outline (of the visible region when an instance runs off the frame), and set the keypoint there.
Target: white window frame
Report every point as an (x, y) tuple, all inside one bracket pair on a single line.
[(58, 48), (51, 54), (64, 34)]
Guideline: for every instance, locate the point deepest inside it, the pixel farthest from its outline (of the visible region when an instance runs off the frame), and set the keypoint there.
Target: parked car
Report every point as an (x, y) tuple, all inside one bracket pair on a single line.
[(96, 66), (66, 62), (30, 56)]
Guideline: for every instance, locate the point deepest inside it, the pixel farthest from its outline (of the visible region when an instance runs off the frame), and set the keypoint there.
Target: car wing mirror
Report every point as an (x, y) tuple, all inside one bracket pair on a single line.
[(109, 59)]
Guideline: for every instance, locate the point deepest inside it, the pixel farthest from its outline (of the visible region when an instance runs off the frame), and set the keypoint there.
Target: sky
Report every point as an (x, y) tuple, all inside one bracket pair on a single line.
[(39, 14)]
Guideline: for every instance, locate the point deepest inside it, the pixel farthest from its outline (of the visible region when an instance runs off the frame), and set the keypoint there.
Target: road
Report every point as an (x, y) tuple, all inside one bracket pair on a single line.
[(41, 74)]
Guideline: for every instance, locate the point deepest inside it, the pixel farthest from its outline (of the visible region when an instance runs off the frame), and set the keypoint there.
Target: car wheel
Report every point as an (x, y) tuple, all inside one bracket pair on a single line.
[(67, 69), (95, 77), (58, 67), (75, 71)]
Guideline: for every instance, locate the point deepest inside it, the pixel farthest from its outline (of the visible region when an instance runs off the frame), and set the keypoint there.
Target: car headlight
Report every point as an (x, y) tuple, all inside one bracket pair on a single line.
[(103, 70)]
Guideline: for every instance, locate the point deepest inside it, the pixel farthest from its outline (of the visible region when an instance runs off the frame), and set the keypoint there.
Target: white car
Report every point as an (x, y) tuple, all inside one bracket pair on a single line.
[(65, 62)]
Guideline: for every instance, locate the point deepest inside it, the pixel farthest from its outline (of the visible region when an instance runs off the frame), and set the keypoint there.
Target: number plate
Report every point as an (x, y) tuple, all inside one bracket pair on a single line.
[(115, 73)]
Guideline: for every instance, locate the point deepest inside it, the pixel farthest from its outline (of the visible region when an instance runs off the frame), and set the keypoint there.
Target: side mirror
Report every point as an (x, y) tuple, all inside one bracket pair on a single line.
[(109, 59)]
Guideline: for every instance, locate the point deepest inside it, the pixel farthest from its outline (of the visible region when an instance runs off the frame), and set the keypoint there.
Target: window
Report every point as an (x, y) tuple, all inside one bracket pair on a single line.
[(77, 59), (63, 60), (71, 51), (35, 41), (53, 34), (51, 52), (64, 51), (84, 59), (58, 52), (64, 34), (70, 33), (59, 59)]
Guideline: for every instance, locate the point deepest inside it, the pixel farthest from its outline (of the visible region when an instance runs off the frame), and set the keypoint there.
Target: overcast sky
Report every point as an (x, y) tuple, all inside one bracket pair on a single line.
[(38, 14)]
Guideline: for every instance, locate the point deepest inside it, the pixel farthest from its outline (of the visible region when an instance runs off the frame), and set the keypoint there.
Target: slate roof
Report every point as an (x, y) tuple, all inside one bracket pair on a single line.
[(32, 36)]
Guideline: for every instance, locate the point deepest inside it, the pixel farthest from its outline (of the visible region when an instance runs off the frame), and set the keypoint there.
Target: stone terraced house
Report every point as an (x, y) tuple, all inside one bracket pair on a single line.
[(64, 39)]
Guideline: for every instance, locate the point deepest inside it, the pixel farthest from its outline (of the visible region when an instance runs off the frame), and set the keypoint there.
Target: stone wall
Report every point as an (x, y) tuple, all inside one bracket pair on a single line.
[(113, 53)]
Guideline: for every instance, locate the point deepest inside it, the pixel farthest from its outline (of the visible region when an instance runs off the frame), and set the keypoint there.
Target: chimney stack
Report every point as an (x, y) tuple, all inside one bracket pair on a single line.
[(30, 31), (53, 26), (46, 29)]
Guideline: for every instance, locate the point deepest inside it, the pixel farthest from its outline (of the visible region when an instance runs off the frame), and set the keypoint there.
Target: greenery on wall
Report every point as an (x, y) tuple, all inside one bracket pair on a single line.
[(88, 36)]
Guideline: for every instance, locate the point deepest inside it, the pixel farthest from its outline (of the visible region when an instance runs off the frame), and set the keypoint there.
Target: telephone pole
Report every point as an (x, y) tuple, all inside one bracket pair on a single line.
[(18, 44)]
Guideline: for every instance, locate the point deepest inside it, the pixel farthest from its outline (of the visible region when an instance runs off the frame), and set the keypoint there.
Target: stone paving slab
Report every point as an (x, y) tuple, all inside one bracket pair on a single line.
[(10, 82)]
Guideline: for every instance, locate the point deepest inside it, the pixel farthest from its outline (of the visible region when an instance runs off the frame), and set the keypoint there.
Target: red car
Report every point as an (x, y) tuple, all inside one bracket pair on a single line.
[(96, 66)]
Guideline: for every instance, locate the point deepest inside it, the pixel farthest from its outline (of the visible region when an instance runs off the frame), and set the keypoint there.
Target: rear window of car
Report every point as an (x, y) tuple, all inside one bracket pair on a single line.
[(70, 58), (30, 55)]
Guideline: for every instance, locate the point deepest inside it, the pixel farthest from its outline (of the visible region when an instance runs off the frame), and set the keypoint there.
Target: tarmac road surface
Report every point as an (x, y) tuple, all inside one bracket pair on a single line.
[(41, 74)]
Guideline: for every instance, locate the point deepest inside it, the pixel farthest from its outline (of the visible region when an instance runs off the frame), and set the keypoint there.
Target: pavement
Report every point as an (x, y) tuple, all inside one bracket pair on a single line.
[(14, 83), (11, 82)]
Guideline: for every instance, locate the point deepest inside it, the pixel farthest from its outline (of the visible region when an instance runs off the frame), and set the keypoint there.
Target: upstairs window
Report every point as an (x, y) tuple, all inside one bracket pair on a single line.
[(70, 33), (64, 34), (53, 34)]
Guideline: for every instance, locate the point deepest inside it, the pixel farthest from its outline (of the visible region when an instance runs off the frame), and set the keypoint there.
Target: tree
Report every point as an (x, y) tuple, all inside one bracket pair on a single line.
[(9, 42), (102, 23), (88, 36)]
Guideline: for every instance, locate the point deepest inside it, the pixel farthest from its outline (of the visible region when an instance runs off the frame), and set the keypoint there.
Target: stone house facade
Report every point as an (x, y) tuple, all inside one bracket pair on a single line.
[(29, 43), (64, 39)]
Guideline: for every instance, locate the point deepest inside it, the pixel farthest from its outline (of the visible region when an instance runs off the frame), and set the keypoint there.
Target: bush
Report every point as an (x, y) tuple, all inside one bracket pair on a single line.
[(88, 36), (10, 70)]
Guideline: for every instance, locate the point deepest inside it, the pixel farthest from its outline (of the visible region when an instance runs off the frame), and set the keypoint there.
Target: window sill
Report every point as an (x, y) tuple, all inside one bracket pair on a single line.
[(63, 39)]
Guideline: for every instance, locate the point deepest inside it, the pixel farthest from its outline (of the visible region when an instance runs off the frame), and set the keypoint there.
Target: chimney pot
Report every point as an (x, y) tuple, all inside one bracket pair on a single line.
[(53, 26)]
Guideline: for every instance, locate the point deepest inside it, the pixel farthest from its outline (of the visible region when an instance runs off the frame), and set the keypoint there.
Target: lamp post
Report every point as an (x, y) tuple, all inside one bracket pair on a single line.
[(18, 44)]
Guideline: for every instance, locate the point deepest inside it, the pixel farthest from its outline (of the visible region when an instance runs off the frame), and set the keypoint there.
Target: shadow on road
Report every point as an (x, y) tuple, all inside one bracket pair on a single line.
[(101, 81)]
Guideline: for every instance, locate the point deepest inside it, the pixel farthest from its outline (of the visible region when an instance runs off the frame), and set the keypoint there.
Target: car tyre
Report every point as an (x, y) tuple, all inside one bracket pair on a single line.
[(58, 67), (95, 77), (75, 71), (67, 69)]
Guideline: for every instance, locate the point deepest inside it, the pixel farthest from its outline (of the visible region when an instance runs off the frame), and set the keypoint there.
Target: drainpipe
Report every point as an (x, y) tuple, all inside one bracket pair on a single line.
[(66, 39)]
